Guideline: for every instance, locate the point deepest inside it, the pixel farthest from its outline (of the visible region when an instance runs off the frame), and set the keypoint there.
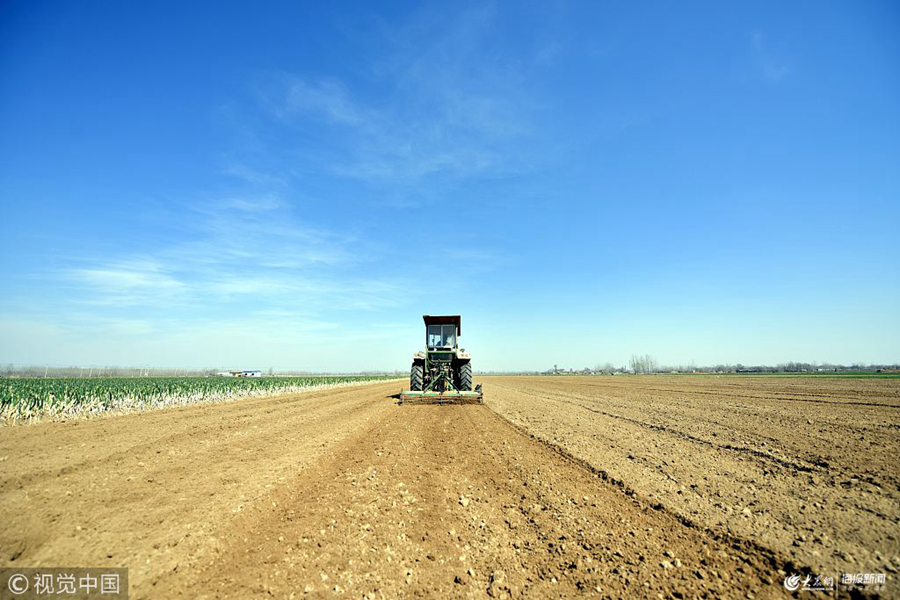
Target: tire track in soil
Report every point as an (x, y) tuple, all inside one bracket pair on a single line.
[(839, 515), (667, 429), (767, 395), (437, 501)]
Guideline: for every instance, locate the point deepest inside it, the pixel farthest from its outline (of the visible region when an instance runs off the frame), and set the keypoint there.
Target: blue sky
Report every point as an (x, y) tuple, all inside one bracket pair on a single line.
[(290, 186)]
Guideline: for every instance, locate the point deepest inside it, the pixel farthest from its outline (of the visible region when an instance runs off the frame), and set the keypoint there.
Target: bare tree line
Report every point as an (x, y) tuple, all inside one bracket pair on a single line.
[(643, 364), (639, 364), (12, 370), (646, 364)]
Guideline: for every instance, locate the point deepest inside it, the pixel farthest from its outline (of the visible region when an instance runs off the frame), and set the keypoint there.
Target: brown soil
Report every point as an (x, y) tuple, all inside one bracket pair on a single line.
[(806, 466), (344, 491)]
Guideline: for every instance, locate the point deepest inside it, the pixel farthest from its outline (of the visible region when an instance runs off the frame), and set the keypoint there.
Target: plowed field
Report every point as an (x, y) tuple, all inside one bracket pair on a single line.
[(608, 487)]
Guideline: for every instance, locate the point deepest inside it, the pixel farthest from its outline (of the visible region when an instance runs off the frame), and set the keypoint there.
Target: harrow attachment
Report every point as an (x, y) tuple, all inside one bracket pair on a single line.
[(442, 397)]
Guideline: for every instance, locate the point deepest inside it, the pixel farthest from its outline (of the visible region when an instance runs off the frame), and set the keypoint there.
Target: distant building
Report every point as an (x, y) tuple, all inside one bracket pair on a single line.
[(239, 373)]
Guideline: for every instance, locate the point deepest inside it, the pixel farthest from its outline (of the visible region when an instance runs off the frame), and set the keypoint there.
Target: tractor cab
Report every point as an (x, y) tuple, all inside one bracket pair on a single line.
[(441, 332)]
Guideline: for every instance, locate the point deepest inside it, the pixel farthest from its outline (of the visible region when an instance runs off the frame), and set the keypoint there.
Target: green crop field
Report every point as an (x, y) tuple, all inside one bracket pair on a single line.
[(29, 398)]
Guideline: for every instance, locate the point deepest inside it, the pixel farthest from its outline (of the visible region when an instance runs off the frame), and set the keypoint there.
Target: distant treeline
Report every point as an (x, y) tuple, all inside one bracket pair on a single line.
[(791, 367), (11, 370), (644, 364)]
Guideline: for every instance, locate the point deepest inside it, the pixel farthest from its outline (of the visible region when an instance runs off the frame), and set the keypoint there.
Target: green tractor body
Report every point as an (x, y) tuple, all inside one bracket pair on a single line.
[(442, 374)]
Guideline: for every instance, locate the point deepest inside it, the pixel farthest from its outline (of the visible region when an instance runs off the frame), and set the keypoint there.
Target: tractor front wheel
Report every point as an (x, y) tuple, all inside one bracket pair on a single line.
[(415, 377), (465, 377)]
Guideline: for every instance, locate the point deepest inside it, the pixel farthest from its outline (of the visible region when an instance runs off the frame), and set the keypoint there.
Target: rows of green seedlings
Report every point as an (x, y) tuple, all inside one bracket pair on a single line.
[(24, 399)]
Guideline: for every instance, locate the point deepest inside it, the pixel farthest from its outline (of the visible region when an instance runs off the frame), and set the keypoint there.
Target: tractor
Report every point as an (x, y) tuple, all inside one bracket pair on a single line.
[(442, 374)]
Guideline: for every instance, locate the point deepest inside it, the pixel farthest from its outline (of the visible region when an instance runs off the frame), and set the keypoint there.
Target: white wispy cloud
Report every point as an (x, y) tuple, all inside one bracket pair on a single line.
[(124, 282), (259, 233), (250, 205), (255, 176), (441, 104), (240, 249), (772, 67), (328, 97)]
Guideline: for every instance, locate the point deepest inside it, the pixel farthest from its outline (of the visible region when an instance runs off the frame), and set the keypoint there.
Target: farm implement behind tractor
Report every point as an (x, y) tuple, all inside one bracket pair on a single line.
[(443, 373)]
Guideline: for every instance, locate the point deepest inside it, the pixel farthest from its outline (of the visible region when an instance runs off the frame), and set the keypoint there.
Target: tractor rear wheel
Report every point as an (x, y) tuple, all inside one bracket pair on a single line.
[(415, 377), (465, 377)]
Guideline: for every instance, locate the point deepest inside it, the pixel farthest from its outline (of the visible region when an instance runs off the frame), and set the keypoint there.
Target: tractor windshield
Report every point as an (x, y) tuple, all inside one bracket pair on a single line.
[(441, 336)]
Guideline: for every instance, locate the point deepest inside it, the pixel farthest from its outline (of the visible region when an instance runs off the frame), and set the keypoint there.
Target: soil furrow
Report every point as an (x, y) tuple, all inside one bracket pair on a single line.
[(583, 487), (452, 501)]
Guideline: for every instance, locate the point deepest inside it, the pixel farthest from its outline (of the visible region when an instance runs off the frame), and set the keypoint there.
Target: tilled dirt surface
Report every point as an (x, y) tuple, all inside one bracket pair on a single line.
[(345, 492), (809, 467)]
